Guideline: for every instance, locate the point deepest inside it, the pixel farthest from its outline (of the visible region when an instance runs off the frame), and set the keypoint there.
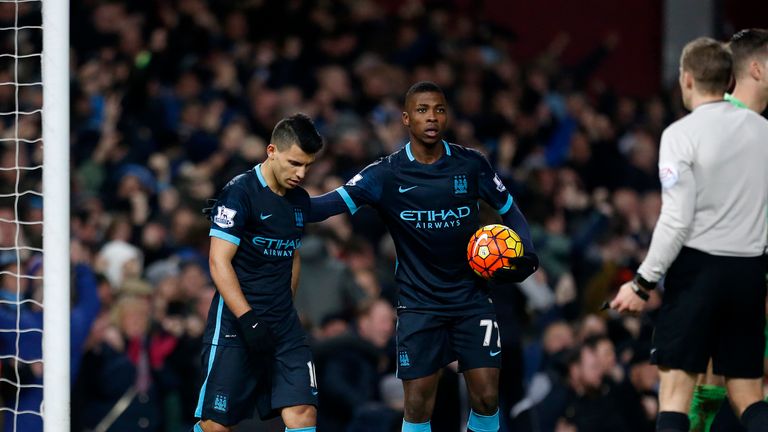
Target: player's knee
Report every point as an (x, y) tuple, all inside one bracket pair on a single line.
[(416, 409), (300, 416), (212, 426), (744, 393), (486, 402)]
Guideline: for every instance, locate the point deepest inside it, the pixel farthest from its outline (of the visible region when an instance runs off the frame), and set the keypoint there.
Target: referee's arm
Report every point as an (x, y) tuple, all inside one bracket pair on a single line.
[(678, 201), (674, 224)]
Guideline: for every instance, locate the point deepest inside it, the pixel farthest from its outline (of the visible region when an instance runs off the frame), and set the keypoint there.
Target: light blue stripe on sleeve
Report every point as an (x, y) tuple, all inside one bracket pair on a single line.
[(224, 236), (507, 206), (347, 199), (211, 358)]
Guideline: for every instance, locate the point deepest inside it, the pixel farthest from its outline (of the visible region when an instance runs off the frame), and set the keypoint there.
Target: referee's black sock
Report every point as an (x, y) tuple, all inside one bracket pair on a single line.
[(755, 417), (670, 421)]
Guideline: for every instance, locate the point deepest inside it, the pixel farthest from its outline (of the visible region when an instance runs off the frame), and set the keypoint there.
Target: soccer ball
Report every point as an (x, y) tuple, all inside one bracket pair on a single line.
[(487, 247)]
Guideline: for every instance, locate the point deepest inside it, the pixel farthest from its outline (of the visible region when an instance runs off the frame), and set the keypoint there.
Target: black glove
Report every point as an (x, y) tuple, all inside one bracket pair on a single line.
[(256, 333), (517, 269), (209, 211)]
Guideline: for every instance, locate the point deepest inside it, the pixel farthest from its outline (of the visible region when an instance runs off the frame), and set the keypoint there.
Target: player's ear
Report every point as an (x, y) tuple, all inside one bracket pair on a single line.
[(406, 119), (755, 70), (271, 150), (687, 80)]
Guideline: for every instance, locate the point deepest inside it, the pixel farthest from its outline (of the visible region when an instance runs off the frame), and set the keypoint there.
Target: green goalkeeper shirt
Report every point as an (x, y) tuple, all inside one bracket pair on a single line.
[(737, 103)]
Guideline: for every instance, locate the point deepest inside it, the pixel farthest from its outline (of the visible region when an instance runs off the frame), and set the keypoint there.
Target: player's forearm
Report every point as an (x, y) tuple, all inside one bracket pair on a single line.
[(295, 270), (224, 277), (514, 219), (326, 205)]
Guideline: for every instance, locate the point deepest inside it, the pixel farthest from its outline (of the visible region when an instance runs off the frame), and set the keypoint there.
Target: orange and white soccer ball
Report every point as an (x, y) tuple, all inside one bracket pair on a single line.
[(489, 246)]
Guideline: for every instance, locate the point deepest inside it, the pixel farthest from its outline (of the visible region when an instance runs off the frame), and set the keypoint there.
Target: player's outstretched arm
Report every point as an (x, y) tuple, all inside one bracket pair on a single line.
[(324, 206)]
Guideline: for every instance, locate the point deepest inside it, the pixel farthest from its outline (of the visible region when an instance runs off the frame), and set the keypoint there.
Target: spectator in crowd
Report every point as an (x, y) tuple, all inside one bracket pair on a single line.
[(123, 391), (350, 366)]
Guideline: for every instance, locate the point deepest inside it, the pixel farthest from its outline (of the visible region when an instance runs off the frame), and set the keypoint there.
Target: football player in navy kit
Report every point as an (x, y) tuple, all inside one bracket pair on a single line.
[(255, 351), (427, 194)]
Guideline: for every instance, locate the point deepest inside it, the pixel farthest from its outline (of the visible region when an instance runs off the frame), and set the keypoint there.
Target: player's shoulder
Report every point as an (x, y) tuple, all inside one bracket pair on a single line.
[(691, 124), (240, 181), (463, 155), (382, 163), (756, 119)]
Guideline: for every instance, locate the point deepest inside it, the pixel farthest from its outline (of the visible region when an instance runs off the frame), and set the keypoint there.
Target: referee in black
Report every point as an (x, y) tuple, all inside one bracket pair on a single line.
[(709, 241)]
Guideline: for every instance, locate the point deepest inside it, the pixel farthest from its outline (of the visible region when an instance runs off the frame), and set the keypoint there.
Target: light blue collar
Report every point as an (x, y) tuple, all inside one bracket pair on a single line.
[(263, 182), (410, 155)]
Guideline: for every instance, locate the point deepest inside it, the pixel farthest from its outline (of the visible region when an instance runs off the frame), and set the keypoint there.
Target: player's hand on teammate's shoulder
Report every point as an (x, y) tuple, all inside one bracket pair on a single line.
[(628, 299), (210, 210), (258, 338), (517, 269)]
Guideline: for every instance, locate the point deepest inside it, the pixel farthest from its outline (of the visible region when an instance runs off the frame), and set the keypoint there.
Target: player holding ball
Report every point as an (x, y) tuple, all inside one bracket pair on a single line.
[(427, 193)]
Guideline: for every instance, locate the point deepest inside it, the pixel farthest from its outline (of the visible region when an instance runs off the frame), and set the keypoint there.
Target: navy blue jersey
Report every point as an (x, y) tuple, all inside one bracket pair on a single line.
[(431, 211), (267, 228)]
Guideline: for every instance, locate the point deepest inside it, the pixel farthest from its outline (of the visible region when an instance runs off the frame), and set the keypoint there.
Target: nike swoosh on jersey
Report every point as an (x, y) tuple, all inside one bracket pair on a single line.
[(495, 353), (263, 216), (403, 190)]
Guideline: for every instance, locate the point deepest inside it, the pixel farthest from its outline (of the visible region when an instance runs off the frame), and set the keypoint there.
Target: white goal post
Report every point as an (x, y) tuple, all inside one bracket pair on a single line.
[(56, 223)]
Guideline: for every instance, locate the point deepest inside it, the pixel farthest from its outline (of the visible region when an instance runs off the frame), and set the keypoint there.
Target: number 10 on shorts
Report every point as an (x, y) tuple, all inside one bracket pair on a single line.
[(489, 326), (312, 375)]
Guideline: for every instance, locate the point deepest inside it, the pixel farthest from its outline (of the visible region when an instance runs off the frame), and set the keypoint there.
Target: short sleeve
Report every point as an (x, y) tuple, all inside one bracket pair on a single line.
[(491, 188), (364, 188), (230, 213)]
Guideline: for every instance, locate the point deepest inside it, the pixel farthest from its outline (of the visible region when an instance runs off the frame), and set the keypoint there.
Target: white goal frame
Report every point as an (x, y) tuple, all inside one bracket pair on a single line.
[(56, 223)]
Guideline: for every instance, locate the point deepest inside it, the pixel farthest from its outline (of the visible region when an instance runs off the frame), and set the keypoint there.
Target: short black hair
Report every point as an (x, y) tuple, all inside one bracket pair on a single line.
[(423, 87), (746, 44), (710, 63), (297, 129)]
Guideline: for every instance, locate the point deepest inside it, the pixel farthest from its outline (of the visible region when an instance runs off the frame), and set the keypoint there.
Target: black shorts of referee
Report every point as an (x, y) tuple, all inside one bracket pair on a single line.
[(713, 306)]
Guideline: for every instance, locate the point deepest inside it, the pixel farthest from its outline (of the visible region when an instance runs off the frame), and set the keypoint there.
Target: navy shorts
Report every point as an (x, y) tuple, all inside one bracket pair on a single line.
[(428, 342), (235, 383)]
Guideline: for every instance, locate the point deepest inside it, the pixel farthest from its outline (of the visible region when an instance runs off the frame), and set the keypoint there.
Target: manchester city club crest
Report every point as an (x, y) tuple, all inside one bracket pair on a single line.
[(460, 184), (298, 217)]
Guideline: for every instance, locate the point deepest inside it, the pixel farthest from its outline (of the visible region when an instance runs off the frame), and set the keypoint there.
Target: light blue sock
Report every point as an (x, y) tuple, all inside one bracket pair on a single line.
[(416, 427), (482, 423), (306, 429), (197, 428)]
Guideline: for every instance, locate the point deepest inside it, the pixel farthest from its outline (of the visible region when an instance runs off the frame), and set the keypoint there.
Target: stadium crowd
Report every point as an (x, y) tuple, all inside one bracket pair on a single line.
[(172, 98)]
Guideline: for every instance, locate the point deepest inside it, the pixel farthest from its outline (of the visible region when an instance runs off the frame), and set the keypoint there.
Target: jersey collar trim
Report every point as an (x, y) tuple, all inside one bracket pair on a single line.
[(263, 182), (734, 101), (410, 155)]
